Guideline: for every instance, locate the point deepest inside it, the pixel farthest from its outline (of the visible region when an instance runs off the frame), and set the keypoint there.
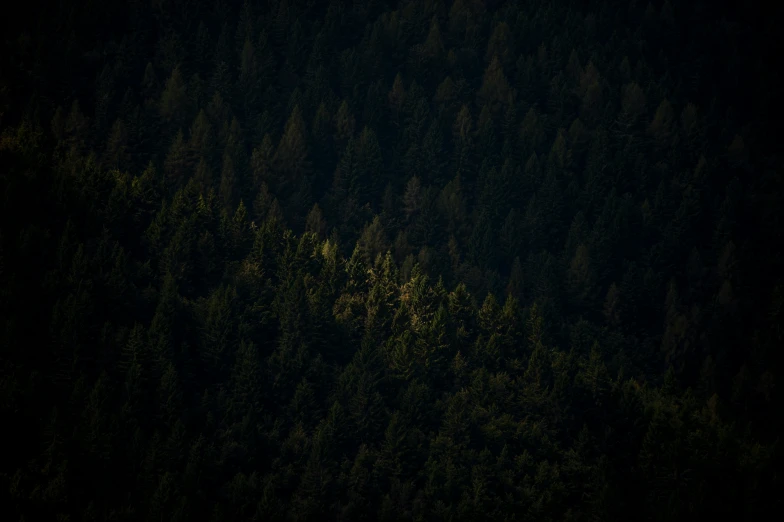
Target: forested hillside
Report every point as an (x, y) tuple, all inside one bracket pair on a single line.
[(363, 260)]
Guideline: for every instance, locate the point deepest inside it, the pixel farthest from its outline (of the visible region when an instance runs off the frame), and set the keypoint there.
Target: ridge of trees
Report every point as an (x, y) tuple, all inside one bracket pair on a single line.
[(431, 260)]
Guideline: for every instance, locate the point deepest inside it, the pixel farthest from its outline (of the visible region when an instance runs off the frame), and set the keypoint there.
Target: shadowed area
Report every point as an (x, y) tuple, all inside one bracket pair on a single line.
[(431, 260)]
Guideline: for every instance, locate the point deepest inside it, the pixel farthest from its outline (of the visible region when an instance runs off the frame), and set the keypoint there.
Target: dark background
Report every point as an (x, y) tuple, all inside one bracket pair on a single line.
[(298, 260)]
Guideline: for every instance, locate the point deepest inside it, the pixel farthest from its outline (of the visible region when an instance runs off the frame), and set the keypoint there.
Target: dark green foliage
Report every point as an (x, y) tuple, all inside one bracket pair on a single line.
[(468, 260)]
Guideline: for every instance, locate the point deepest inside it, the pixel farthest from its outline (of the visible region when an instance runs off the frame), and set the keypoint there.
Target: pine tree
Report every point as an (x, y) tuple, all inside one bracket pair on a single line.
[(480, 245), (661, 128), (201, 142), (372, 242), (315, 223), (116, 155), (344, 125), (228, 184), (291, 158), (581, 280), (176, 163), (397, 97), (501, 44), (495, 91), (463, 139), (246, 380), (453, 206), (174, 99)]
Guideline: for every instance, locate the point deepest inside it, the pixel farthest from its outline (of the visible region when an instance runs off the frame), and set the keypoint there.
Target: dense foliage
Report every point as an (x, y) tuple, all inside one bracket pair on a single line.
[(429, 260)]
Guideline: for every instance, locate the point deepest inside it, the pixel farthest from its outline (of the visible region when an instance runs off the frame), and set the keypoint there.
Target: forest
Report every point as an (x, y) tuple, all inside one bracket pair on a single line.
[(426, 260)]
